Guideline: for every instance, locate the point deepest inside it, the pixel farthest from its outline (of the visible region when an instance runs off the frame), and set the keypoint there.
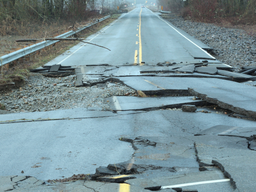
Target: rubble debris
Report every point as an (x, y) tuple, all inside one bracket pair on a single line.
[(207, 69), (249, 71), (138, 141), (7, 86), (121, 168), (54, 68), (116, 178), (72, 178), (145, 142), (141, 93), (239, 77), (167, 93), (252, 142), (79, 77), (90, 80), (55, 71), (189, 108), (104, 171), (166, 63), (221, 66)]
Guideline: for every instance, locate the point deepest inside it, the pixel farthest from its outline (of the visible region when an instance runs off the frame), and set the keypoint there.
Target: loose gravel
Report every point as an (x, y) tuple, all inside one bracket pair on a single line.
[(41, 93), (232, 46)]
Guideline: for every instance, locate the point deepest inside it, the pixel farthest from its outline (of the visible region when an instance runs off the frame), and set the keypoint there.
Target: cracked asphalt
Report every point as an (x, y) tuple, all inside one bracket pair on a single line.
[(167, 119)]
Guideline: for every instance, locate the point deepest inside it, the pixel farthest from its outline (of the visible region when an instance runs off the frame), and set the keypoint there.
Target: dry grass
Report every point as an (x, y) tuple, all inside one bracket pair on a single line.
[(229, 22), (2, 107), (20, 71), (11, 31)]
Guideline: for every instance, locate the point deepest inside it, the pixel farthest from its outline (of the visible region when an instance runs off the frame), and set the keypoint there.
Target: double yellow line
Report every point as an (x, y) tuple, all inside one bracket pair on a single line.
[(140, 45)]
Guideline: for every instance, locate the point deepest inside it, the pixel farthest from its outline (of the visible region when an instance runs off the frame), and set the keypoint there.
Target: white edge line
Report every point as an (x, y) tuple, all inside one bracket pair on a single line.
[(89, 40), (183, 35), (116, 103), (229, 130), (195, 183)]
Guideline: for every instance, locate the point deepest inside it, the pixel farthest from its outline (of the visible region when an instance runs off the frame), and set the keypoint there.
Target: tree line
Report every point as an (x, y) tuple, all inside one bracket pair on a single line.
[(46, 9), (243, 10)]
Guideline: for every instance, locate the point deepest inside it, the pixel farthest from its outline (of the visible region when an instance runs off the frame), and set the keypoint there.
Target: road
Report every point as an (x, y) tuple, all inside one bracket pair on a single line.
[(142, 142), (137, 37)]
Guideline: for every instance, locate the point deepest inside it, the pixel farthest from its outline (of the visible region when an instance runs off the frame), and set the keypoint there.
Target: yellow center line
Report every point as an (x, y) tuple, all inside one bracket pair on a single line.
[(140, 45), (154, 84), (120, 176), (124, 187), (135, 57)]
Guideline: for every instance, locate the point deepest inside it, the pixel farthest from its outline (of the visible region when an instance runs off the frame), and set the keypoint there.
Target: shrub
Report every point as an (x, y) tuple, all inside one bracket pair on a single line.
[(203, 10)]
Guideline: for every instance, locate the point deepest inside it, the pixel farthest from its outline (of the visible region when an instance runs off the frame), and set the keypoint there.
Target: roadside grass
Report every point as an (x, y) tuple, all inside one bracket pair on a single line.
[(2, 107), (19, 72)]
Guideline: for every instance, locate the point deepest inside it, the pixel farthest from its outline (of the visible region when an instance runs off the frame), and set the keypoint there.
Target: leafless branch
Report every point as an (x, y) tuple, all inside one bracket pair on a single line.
[(62, 39)]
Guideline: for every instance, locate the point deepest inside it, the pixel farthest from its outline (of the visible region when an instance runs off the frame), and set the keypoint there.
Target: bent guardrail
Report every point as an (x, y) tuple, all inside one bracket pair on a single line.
[(36, 47)]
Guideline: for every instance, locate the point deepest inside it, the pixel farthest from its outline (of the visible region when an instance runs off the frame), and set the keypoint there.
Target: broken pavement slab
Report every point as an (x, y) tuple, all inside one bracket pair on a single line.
[(85, 127), (236, 97), (6, 183), (55, 70), (61, 114), (186, 179), (224, 130), (115, 178), (207, 69), (145, 84), (72, 186), (210, 148), (188, 108), (63, 139), (232, 156), (239, 77), (124, 103), (221, 66), (186, 69)]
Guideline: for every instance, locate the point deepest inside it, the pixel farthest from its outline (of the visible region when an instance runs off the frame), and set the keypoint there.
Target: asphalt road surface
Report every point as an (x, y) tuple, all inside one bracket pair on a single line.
[(136, 37), (188, 129)]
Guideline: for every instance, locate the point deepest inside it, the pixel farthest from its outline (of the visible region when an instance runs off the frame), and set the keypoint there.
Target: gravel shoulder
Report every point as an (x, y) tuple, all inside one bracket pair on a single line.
[(231, 45), (41, 93)]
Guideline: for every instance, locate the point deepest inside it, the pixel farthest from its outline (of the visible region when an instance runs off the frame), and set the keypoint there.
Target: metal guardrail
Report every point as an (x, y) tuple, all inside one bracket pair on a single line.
[(33, 48), (165, 12)]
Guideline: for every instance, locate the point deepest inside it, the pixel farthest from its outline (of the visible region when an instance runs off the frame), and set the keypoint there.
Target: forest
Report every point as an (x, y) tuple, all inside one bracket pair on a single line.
[(237, 11), (19, 17), (43, 10)]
